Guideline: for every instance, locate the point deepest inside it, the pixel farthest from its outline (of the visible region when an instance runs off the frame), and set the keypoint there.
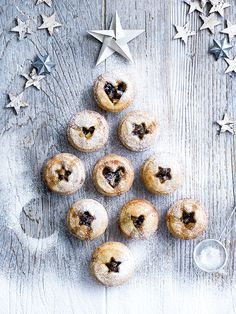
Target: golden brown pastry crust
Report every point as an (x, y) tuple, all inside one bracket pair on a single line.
[(186, 219), (112, 264), (138, 219), (137, 130), (114, 78), (87, 219), (64, 173), (87, 131), (161, 174), (113, 175)]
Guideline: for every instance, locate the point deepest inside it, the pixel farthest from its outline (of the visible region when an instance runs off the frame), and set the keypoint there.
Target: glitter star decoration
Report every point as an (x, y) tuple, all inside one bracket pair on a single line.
[(49, 22), (210, 22), (43, 64), (33, 79), (230, 30), (226, 125), (115, 39), (232, 65), (16, 102), (220, 48), (219, 6), (194, 5), (22, 28), (183, 32), (48, 2)]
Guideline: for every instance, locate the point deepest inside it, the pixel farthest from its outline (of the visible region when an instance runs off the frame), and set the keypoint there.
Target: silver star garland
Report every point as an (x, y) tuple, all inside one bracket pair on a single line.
[(210, 22), (183, 32), (219, 6), (22, 28), (16, 102), (33, 79), (226, 125), (220, 48), (232, 65), (194, 6), (43, 64), (49, 22), (230, 30)]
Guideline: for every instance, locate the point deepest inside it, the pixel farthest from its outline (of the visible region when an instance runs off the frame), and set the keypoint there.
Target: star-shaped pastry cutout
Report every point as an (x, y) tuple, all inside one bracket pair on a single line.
[(113, 266), (49, 22), (232, 65), (230, 30), (33, 79), (48, 2), (194, 6), (16, 102), (43, 64), (115, 39), (226, 125), (22, 28), (210, 22), (220, 48), (184, 32), (219, 6)]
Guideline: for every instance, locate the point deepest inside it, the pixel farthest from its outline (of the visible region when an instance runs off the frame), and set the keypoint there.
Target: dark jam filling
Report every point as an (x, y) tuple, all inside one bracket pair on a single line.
[(188, 218), (86, 219), (114, 93), (138, 221), (113, 177), (63, 174), (113, 265), (164, 174), (88, 132), (140, 130)]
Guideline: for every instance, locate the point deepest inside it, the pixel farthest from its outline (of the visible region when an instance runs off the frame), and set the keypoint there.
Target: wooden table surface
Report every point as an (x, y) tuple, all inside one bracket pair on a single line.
[(42, 268)]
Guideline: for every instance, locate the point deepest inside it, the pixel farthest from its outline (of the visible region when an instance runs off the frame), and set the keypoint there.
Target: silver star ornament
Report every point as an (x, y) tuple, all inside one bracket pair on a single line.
[(230, 30), (33, 79), (49, 22), (43, 64), (183, 32), (115, 39), (232, 65), (226, 125), (194, 6), (219, 6), (16, 102), (22, 28), (48, 2), (220, 48), (210, 22)]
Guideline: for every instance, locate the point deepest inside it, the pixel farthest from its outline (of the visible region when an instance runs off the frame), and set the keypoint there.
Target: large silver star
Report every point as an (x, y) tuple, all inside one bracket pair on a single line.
[(219, 6), (43, 64), (230, 30), (220, 48), (232, 65), (226, 125), (16, 102), (22, 28), (184, 32), (194, 6), (210, 22), (33, 79), (50, 23), (48, 2), (115, 39)]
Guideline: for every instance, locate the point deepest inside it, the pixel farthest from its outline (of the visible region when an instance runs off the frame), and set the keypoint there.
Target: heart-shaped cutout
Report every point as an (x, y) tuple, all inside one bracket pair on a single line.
[(88, 132), (114, 93), (113, 177)]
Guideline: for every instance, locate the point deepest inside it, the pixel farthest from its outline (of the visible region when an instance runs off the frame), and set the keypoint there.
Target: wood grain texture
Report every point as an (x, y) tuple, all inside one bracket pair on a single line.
[(42, 268)]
